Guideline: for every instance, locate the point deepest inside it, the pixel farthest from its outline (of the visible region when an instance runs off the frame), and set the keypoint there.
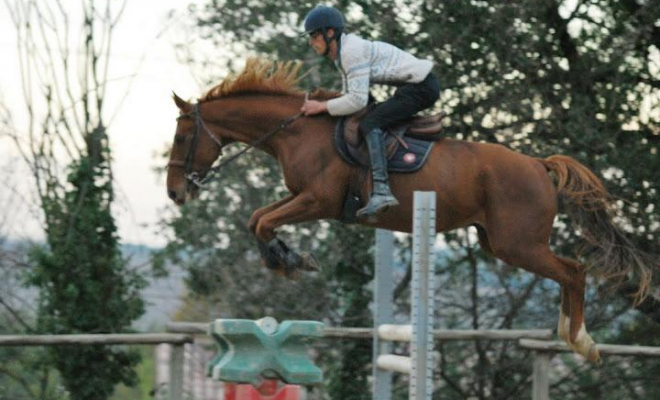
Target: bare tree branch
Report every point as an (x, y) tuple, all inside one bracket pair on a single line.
[(16, 315)]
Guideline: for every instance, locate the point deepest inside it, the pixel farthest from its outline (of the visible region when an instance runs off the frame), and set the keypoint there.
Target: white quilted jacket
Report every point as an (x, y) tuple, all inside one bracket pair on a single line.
[(362, 62)]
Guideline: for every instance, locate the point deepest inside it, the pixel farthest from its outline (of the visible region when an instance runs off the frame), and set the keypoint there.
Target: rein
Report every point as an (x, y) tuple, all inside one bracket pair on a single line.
[(193, 176)]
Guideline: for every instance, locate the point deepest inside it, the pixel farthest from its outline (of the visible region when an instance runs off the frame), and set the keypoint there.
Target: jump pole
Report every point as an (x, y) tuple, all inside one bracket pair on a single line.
[(419, 365)]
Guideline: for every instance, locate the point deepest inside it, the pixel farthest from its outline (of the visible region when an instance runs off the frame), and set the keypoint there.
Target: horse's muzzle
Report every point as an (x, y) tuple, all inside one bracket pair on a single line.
[(178, 198), (178, 194)]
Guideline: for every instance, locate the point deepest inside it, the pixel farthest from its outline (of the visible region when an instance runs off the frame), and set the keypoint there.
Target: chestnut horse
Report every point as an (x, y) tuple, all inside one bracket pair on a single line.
[(509, 197)]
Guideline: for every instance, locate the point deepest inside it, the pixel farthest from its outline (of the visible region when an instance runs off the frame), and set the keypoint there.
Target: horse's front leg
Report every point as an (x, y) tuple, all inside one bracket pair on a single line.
[(268, 255), (277, 255), (254, 220)]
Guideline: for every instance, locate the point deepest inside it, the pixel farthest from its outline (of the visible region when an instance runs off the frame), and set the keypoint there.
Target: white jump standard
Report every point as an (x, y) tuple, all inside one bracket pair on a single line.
[(420, 332)]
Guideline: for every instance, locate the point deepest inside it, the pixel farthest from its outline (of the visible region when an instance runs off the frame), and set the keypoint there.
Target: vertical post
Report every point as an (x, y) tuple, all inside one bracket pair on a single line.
[(204, 379), (383, 313), (421, 376), (541, 381), (176, 372), (189, 370), (162, 357)]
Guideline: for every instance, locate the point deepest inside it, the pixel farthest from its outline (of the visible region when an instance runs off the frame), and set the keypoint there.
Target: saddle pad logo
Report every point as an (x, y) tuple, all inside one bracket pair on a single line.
[(409, 158)]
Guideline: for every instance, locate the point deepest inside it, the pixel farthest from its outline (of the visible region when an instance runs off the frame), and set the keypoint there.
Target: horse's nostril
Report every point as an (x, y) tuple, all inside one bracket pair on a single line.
[(171, 194)]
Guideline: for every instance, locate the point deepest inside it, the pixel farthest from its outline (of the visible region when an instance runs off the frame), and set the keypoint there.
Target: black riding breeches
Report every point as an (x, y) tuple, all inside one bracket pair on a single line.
[(407, 101)]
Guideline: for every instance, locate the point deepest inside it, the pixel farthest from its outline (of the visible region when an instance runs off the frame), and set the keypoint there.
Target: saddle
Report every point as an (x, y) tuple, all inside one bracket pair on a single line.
[(407, 144)]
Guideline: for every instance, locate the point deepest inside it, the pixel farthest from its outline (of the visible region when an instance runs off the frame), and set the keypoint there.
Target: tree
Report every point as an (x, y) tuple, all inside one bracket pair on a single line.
[(84, 283), (542, 77)]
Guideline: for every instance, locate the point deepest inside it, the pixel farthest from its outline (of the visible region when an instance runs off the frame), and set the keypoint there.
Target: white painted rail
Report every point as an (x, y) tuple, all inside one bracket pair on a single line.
[(395, 333), (393, 362), (603, 349)]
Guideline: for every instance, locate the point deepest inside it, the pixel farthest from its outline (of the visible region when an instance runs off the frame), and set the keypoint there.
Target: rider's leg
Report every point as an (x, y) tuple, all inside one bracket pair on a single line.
[(381, 195), (406, 102)]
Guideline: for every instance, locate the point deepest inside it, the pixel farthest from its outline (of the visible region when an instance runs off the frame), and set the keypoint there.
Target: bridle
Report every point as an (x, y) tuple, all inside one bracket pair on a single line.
[(193, 176), (187, 165)]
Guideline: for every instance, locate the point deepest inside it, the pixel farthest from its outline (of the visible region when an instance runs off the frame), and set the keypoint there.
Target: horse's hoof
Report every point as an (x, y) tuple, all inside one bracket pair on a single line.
[(585, 346), (594, 355), (309, 262)]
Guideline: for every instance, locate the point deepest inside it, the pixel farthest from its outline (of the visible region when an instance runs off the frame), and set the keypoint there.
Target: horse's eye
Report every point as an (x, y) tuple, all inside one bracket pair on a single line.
[(179, 139)]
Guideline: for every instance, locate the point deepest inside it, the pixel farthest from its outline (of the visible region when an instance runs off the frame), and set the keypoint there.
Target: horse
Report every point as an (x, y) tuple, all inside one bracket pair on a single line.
[(511, 198)]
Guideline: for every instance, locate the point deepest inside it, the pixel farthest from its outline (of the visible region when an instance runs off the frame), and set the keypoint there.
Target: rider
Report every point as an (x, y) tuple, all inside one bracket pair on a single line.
[(362, 62)]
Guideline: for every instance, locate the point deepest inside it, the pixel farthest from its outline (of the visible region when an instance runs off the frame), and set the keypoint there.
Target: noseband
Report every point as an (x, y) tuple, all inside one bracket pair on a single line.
[(192, 176)]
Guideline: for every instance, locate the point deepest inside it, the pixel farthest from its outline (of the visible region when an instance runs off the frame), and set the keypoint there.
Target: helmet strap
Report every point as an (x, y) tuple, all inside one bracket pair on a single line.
[(335, 36), (324, 31)]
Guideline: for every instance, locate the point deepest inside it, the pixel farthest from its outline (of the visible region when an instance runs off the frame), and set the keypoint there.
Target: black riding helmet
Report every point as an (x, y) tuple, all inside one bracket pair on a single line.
[(321, 18)]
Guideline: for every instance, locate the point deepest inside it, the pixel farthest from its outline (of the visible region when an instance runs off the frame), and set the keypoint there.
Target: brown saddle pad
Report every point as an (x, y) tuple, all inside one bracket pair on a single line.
[(424, 128)]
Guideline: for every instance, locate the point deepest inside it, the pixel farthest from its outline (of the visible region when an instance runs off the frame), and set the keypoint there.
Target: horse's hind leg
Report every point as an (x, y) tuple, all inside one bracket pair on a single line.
[(579, 340), (520, 206), (571, 327), (571, 276), (522, 242), (563, 326)]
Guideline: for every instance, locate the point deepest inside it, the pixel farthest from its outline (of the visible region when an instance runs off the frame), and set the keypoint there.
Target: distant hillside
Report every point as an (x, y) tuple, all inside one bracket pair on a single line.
[(162, 296)]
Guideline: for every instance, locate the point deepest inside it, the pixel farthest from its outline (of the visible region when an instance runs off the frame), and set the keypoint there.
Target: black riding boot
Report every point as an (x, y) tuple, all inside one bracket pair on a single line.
[(381, 196)]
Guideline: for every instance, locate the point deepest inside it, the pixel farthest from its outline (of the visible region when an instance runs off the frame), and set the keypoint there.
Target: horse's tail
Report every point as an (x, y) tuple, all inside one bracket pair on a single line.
[(608, 252)]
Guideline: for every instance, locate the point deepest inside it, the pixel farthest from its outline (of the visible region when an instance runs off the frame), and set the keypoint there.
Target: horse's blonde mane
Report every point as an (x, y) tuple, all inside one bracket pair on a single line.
[(264, 76)]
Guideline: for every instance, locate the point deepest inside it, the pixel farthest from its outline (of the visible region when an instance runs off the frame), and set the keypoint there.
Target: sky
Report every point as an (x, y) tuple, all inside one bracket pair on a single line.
[(143, 45)]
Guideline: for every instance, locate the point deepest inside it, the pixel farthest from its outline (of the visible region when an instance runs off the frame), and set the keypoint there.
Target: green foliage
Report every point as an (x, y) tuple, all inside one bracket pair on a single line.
[(348, 276), (146, 376), (23, 375), (85, 285)]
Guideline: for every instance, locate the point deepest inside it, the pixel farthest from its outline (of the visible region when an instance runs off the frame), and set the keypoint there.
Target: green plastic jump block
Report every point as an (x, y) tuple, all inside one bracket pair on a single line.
[(249, 354)]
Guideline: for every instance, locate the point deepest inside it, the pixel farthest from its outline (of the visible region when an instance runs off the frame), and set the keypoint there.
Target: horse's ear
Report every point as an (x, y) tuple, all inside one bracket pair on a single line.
[(183, 105)]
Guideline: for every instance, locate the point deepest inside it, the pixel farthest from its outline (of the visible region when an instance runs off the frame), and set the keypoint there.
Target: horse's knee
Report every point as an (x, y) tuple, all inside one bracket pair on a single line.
[(264, 230)]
